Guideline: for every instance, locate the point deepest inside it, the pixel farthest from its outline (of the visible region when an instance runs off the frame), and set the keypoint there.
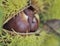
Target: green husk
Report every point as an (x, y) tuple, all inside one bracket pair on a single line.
[(45, 39)]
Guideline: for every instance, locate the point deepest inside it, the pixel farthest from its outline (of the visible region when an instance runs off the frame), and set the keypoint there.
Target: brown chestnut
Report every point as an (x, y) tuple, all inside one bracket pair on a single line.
[(19, 23), (33, 21), (23, 22)]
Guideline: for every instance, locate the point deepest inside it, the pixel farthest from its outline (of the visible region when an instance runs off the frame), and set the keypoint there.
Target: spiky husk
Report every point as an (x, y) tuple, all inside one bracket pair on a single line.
[(44, 39)]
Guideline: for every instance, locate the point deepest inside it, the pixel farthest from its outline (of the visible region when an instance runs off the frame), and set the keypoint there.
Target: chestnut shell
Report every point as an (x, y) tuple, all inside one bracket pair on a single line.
[(22, 24)]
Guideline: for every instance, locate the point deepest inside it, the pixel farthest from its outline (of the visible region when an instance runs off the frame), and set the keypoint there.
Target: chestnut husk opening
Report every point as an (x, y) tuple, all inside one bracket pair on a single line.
[(12, 23)]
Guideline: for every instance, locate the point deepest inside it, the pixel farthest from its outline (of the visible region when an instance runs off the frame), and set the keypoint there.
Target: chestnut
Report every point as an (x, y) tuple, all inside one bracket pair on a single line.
[(24, 21), (19, 23), (33, 21)]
